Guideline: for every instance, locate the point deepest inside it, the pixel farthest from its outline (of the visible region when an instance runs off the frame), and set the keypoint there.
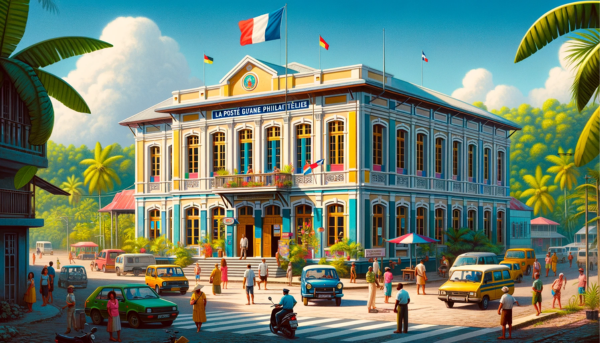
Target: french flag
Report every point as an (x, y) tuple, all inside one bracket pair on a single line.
[(260, 29), (308, 168), (423, 57)]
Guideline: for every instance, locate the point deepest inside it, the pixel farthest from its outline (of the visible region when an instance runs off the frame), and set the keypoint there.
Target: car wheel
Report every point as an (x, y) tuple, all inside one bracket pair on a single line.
[(134, 320), (167, 323), (484, 303), (96, 317), (118, 272), (136, 272), (157, 290), (182, 292), (338, 301), (449, 304), (104, 269), (528, 272), (305, 301)]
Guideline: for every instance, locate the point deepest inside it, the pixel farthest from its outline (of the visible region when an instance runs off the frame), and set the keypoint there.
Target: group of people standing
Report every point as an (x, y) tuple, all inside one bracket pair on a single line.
[(46, 287)]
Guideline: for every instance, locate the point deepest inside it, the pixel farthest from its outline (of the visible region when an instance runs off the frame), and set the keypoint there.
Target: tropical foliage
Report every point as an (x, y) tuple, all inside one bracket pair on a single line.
[(539, 195), (73, 186), (352, 249), (183, 255), (135, 245), (464, 240)]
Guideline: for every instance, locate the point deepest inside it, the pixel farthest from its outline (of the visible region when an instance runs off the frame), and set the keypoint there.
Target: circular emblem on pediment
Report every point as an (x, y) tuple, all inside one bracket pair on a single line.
[(249, 81), (249, 67)]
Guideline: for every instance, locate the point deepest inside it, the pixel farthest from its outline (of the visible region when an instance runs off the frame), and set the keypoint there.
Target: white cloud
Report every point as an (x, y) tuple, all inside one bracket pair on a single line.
[(558, 84), (504, 95), (141, 69), (476, 84)]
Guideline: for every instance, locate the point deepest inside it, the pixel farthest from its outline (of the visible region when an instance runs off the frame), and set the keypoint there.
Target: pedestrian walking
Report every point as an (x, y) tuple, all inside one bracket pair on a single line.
[(537, 268), (401, 308), (114, 322), (507, 302), (387, 285), (548, 261), (30, 293), (289, 273), (570, 258), (52, 275), (215, 279), (263, 273), (197, 271), (443, 269), (376, 269), (44, 282), (559, 283), (243, 246), (224, 279), (33, 258), (353, 273), (248, 284), (277, 259), (70, 306), (554, 263), (421, 277), (581, 286), (373, 285), (71, 260), (537, 288), (198, 301)]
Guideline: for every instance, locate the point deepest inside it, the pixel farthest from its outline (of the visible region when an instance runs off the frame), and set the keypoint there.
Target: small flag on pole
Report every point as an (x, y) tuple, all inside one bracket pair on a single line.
[(208, 59), (323, 43), (260, 29), (309, 167), (423, 57)]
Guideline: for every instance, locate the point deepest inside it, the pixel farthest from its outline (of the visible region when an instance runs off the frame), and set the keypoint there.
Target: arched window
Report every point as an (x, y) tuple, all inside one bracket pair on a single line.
[(401, 220), (192, 219), (421, 155), (273, 148), (273, 210), (192, 172), (500, 228), (304, 219), (218, 151), (456, 219), (154, 164), (456, 160), (471, 163), (336, 145), (472, 219), (500, 172), (218, 228), (421, 220), (439, 225), (335, 224), (377, 147), (303, 146), (245, 150), (378, 225), (400, 152), (486, 166), (487, 224), (154, 224), (439, 157)]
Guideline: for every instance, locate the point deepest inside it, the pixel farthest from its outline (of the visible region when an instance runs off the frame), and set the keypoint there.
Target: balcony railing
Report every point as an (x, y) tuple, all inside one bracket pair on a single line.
[(279, 181), (16, 204)]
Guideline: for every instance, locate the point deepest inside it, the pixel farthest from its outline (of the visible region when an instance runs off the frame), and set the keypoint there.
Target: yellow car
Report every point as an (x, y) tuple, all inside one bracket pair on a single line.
[(524, 257), (476, 284), (515, 271), (166, 278)]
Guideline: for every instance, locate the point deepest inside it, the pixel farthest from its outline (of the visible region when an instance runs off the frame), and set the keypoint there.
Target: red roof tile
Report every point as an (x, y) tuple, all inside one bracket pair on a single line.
[(542, 221), (519, 206), (123, 201)]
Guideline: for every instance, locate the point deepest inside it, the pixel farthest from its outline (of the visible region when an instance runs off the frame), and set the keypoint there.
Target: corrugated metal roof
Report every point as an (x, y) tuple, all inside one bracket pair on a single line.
[(546, 235), (542, 221), (591, 230), (279, 69), (518, 206), (123, 202), (149, 114)]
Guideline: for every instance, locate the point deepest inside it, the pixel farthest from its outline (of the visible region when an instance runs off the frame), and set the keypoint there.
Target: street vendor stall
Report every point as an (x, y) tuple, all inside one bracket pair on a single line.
[(412, 238), (84, 250)]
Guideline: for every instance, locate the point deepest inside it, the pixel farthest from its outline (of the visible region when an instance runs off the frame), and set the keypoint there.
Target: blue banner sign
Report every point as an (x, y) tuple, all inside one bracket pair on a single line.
[(261, 109)]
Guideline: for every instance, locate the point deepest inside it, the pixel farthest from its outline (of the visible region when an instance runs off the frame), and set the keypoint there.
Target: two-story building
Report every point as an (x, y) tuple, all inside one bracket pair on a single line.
[(407, 159)]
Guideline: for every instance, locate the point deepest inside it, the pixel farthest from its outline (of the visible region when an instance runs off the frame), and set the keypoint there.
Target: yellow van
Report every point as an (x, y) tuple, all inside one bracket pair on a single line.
[(524, 257), (515, 271), (476, 284), (166, 278)]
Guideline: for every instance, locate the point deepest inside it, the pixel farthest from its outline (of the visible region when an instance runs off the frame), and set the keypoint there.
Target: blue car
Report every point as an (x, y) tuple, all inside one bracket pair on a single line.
[(321, 282)]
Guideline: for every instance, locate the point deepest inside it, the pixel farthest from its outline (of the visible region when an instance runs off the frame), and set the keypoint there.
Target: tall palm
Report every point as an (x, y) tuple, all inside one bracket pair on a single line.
[(73, 187), (565, 171), (584, 54), (100, 175), (539, 193)]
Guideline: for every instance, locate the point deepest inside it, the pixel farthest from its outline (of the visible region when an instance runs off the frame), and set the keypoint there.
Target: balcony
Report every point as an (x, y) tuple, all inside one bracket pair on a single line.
[(16, 204), (271, 182)]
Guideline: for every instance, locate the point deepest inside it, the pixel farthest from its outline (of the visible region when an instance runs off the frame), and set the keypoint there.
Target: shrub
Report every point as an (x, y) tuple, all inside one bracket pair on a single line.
[(296, 256), (353, 249), (592, 297), (573, 304), (341, 267), (10, 311), (183, 255), (323, 261)]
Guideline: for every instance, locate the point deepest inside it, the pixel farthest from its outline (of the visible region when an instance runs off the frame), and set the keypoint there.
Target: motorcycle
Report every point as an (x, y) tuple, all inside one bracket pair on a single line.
[(289, 323), (85, 338)]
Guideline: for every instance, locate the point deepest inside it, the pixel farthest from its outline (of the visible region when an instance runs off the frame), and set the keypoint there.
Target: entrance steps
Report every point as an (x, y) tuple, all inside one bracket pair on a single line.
[(235, 266)]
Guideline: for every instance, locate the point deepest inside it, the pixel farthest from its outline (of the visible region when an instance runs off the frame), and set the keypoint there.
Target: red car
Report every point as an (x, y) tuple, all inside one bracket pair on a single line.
[(105, 261)]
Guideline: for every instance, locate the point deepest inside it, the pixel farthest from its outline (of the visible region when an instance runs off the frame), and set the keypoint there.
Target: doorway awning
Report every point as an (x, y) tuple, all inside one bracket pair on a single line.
[(48, 187)]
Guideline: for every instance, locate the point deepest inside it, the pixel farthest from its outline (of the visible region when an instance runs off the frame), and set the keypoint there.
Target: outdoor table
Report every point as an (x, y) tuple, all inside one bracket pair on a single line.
[(408, 272)]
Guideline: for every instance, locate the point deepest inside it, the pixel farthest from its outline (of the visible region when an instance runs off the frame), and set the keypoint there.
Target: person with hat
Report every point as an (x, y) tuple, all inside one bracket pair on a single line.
[(387, 279), (287, 304), (559, 283), (581, 286), (507, 302), (70, 306), (554, 263), (198, 301), (215, 279)]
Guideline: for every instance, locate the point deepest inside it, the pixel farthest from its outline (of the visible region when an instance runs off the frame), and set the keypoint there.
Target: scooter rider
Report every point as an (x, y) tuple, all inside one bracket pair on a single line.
[(287, 304)]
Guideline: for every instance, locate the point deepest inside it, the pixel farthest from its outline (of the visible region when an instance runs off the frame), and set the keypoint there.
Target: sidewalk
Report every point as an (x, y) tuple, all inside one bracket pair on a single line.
[(39, 313)]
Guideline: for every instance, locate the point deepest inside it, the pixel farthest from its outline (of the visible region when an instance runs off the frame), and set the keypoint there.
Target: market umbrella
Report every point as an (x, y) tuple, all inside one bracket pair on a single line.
[(412, 238)]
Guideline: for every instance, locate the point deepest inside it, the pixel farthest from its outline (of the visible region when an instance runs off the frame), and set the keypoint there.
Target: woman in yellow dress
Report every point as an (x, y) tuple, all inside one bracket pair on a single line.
[(215, 278), (30, 294), (199, 302), (554, 263)]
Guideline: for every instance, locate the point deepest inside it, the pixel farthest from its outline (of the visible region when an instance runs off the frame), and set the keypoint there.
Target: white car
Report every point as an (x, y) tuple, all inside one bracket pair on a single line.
[(474, 258), (133, 263)]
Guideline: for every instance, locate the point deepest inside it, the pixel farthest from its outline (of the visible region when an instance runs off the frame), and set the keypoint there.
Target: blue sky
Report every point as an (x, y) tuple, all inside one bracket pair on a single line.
[(456, 36)]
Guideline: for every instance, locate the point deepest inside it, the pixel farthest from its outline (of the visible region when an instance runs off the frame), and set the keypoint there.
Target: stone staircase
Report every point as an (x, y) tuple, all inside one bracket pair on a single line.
[(235, 267)]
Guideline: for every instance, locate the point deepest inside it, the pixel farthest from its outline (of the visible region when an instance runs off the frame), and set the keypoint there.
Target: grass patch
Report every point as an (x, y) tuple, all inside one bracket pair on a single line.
[(562, 312), (540, 323)]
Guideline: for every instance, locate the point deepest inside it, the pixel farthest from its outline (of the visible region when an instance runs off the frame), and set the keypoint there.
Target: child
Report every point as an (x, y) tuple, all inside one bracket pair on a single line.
[(353, 273), (57, 263)]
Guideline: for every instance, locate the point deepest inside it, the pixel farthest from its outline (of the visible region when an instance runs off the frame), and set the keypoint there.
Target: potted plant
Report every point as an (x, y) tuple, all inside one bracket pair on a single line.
[(592, 301), (207, 248), (219, 245)]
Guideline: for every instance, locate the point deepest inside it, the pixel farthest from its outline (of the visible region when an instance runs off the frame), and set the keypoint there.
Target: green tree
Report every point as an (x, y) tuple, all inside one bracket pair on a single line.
[(136, 244), (73, 186), (539, 193), (565, 171), (160, 246)]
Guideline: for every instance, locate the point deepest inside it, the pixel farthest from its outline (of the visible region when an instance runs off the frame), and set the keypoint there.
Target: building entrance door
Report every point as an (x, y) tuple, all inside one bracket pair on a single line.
[(246, 227), (272, 230)]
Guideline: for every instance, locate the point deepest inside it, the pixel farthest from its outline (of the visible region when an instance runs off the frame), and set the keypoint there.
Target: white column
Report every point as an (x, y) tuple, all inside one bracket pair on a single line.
[(285, 142), (257, 164), (230, 155)]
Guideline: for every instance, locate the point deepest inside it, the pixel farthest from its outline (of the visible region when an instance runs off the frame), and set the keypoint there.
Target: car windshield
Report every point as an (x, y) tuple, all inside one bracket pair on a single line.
[(140, 293), (170, 271), (466, 275), (321, 274), (76, 270), (515, 254), (465, 261)]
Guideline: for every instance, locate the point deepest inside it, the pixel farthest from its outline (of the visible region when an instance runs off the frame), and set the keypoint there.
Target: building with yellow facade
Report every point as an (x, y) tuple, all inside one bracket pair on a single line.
[(400, 160)]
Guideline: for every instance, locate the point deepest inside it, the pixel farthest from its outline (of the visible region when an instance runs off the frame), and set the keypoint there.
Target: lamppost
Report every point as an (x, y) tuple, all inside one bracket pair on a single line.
[(563, 154), (66, 219), (587, 244)]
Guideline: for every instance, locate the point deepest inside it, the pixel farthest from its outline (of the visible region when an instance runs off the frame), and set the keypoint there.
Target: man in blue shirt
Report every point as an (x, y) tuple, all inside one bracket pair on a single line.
[(401, 308), (287, 304), (52, 275)]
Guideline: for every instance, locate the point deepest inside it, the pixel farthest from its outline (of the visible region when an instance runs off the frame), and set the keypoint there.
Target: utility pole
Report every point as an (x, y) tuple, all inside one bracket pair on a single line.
[(597, 223), (66, 219), (587, 244), (567, 154)]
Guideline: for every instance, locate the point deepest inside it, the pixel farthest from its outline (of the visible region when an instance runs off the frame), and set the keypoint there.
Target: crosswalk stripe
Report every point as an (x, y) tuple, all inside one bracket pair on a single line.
[(212, 312), (301, 322), (225, 323), (248, 325), (384, 333), (468, 335), (426, 334), (351, 331), (327, 327), (219, 316)]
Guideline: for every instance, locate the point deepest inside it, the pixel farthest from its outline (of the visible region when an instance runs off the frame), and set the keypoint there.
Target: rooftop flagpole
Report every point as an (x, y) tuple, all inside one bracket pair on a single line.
[(203, 66), (319, 52), (286, 60)]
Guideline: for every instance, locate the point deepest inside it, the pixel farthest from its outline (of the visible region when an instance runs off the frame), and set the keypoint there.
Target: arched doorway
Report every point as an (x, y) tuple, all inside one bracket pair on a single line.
[(271, 230), (246, 227)]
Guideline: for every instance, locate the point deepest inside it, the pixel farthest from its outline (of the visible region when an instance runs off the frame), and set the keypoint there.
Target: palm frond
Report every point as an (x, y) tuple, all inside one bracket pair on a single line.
[(586, 81), (53, 50), (49, 6), (588, 145), (581, 45), (62, 91), (13, 20)]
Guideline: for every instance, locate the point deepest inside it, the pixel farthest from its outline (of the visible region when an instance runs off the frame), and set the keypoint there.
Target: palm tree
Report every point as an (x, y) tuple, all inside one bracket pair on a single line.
[(160, 246), (564, 168), (100, 175), (539, 193), (73, 186), (584, 54), (34, 85), (136, 244)]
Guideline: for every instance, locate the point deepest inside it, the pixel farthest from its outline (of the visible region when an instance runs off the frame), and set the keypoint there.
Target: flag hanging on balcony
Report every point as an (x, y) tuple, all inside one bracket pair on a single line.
[(309, 167)]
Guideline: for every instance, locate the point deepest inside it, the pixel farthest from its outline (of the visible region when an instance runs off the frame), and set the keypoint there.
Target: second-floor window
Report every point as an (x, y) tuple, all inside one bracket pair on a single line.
[(218, 228), (486, 165), (456, 160), (421, 164), (439, 157), (245, 151), (500, 173), (154, 164), (487, 224), (377, 147), (218, 151), (500, 227), (154, 224), (400, 152), (303, 146), (336, 145), (273, 148), (378, 226), (192, 143), (471, 163)]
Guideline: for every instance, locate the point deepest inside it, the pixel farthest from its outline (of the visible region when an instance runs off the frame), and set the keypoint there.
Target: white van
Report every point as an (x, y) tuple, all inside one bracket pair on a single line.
[(133, 263), (474, 258), (593, 258), (561, 253), (44, 247)]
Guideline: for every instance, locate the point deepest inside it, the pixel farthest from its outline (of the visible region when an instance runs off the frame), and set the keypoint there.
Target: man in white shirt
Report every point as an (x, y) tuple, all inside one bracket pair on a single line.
[(506, 305), (376, 269), (421, 277), (243, 246), (263, 273), (249, 282)]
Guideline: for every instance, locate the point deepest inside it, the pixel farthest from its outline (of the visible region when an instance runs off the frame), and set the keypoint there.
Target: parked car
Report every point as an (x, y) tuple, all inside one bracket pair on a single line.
[(105, 261), (476, 284), (74, 275), (561, 253), (133, 263), (321, 282), (167, 278), (515, 271), (138, 304), (474, 258), (45, 247), (593, 258), (524, 256)]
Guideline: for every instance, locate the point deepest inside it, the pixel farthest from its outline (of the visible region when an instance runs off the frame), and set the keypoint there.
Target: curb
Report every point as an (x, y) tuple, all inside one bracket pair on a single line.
[(556, 333), (535, 320)]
